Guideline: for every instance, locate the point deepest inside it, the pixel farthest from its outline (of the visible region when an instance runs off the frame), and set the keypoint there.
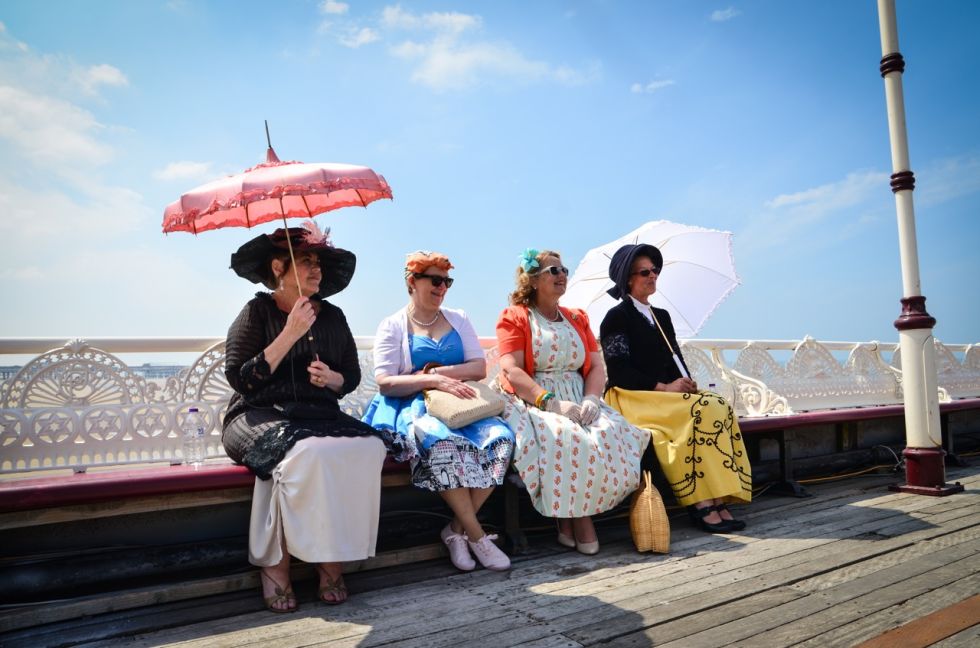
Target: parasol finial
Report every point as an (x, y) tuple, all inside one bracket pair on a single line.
[(270, 155)]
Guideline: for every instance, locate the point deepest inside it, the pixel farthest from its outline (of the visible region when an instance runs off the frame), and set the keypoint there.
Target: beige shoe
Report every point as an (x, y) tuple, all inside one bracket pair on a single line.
[(587, 548)]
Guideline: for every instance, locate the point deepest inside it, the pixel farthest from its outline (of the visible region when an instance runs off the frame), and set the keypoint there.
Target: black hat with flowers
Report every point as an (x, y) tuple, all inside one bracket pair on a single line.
[(252, 261)]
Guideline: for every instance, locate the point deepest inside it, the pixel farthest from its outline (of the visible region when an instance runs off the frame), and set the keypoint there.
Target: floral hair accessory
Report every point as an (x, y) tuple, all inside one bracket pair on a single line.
[(528, 259), (419, 260), (314, 235)]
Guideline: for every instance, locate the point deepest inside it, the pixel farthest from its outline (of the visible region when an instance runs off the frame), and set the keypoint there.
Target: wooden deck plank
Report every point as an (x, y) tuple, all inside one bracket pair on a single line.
[(704, 613), (907, 608), (969, 638), (818, 613), (852, 549), (713, 591), (545, 615), (545, 610), (927, 630)]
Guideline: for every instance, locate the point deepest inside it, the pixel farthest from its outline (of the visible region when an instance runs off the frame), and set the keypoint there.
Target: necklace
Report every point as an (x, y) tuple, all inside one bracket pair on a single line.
[(425, 324), (556, 318)]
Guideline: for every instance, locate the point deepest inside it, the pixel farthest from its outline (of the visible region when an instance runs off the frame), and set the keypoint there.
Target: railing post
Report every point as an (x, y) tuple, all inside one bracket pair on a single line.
[(924, 466)]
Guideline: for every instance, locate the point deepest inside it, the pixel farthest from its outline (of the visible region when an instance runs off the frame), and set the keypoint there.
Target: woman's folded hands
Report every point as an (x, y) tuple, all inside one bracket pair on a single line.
[(589, 410), (584, 414)]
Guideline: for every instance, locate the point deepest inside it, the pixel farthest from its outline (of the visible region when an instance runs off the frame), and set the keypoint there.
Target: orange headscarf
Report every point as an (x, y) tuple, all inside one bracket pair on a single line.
[(421, 259)]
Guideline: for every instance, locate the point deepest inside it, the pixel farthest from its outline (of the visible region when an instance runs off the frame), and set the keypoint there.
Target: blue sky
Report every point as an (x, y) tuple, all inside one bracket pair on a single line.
[(499, 125)]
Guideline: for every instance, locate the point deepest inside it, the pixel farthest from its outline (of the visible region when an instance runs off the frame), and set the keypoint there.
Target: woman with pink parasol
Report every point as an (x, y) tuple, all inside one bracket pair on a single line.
[(290, 358)]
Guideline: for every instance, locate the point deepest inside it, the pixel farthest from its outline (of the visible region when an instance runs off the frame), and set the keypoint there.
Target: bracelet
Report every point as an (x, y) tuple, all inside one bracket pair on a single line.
[(542, 399)]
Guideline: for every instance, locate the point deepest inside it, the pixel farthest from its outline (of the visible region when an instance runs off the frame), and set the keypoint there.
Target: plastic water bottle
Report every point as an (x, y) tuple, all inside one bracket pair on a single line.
[(194, 438)]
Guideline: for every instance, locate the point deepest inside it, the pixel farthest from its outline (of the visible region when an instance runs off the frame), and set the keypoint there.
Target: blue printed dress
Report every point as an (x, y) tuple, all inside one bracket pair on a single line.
[(474, 456)]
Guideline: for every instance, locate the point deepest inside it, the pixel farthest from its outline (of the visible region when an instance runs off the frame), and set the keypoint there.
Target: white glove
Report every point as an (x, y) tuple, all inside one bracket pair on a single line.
[(589, 410), (568, 409)]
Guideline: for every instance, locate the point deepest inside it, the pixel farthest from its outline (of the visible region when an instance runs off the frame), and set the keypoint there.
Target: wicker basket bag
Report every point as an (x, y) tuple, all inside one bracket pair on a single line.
[(648, 518)]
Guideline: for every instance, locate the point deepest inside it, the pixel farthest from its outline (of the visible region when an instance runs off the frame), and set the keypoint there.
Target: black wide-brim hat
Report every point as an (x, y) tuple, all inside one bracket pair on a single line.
[(622, 262), (251, 261)]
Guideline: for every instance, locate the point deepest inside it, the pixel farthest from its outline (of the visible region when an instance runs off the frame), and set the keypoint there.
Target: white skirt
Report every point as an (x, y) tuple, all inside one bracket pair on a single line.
[(323, 498)]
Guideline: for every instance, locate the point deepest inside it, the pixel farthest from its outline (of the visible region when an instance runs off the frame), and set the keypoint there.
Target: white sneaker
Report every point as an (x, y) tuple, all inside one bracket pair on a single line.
[(489, 555), (459, 552)]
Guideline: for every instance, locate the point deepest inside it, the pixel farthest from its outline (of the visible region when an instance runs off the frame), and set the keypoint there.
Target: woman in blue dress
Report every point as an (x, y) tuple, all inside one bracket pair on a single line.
[(424, 346)]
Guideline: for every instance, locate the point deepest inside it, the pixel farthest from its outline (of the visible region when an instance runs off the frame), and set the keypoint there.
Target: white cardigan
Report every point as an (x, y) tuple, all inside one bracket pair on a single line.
[(391, 354)]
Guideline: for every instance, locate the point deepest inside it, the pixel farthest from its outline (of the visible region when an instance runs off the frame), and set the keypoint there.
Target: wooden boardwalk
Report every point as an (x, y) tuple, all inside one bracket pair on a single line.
[(843, 567)]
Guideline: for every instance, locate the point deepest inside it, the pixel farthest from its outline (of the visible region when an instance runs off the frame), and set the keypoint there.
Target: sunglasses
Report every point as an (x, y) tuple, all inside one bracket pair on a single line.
[(646, 272), (437, 280), (555, 270)]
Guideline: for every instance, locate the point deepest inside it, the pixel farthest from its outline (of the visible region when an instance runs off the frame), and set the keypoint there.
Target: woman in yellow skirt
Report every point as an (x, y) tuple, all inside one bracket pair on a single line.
[(695, 433)]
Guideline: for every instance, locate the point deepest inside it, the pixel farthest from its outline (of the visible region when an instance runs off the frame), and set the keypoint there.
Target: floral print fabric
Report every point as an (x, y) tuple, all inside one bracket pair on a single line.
[(570, 470)]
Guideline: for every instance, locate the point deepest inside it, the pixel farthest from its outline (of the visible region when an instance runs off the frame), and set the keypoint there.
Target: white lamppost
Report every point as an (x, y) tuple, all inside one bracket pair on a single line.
[(925, 471)]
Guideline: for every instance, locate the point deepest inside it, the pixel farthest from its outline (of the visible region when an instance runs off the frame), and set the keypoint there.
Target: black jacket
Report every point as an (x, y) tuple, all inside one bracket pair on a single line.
[(634, 350)]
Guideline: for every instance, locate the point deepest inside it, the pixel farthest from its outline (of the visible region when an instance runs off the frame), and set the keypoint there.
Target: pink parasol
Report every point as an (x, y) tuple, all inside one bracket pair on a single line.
[(274, 190)]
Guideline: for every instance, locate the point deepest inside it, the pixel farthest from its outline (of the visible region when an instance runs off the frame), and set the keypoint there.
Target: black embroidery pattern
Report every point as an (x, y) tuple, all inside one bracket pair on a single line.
[(721, 438), (616, 345)]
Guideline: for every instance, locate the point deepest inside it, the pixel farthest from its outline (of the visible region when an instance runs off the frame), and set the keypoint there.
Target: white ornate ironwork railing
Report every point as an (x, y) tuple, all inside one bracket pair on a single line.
[(76, 404)]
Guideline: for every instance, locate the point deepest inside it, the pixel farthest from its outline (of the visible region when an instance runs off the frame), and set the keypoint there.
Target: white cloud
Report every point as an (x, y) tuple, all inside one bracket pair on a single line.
[(50, 131), (394, 17), (573, 77), (947, 179), (185, 170), (444, 64), (651, 87), (52, 154), (25, 273), (819, 201), (334, 7), (831, 211), (8, 43), (721, 15), (98, 75), (446, 59), (357, 37)]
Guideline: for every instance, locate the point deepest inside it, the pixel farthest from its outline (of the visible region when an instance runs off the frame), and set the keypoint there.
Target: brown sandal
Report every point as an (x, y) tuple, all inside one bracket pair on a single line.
[(282, 596), (335, 587)]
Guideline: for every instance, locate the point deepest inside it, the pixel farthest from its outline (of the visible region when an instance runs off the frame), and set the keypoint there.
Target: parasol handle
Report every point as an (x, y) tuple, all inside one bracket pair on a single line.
[(292, 259), (673, 354)]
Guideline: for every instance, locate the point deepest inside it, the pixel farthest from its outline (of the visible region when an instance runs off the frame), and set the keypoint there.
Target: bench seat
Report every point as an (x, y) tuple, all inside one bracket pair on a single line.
[(37, 492)]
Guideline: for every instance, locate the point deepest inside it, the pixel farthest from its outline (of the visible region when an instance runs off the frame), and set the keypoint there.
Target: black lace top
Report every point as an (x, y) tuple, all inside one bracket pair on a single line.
[(248, 373), (257, 431)]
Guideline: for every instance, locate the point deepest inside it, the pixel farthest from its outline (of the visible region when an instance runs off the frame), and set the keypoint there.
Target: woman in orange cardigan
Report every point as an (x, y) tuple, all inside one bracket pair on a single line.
[(576, 455)]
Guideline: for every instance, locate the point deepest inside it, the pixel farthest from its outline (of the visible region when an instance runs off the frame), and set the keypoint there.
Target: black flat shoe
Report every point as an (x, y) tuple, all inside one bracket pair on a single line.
[(698, 515), (736, 525)]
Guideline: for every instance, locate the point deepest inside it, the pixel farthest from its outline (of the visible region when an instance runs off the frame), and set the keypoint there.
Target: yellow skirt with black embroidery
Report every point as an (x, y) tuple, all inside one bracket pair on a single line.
[(697, 441)]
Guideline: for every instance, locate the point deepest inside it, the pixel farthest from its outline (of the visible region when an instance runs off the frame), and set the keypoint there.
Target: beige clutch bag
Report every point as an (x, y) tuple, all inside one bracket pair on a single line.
[(458, 412), (648, 518)]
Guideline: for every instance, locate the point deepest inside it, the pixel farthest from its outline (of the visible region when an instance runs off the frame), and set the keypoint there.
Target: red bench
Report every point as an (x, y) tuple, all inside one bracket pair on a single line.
[(37, 492), (22, 494), (782, 428)]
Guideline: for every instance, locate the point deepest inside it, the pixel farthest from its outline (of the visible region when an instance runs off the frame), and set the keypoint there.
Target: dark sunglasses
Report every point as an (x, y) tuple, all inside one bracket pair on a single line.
[(555, 270), (646, 272), (437, 280)]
